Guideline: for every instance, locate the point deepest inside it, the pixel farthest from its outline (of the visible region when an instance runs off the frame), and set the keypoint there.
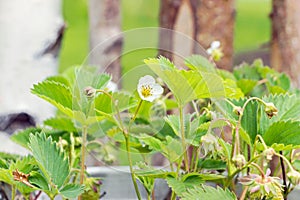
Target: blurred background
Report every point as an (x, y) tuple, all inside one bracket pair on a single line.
[(40, 38)]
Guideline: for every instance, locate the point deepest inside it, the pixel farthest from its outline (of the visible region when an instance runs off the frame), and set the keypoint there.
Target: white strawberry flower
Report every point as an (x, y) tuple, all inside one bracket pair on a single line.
[(148, 89), (213, 46), (215, 50)]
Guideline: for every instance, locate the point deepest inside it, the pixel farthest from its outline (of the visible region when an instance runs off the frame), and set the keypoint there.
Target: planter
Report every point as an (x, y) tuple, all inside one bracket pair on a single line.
[(117, 183)]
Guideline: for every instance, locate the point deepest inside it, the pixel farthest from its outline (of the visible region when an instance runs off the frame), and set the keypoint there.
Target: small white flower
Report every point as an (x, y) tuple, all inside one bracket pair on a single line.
[(111, 86), (148, 89), (215, 51), (213, 46)]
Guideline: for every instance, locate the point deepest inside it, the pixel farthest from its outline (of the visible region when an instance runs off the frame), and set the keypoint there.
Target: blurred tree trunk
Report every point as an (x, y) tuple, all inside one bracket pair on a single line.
[(168, 14), (215, 21), (105, 36), (202, 20), (285, 45)]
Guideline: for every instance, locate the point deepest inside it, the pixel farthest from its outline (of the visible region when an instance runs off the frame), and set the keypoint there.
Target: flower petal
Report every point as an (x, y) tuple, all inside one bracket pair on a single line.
[(209, 51), (268, 172), (255, 189), (157, 89), (267, 188), (150, 98), (215, 44), (146, 80)]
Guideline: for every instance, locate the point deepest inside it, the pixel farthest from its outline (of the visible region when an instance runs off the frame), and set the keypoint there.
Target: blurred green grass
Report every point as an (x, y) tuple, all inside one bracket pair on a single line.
[(75, 42), (252, 25), (251, 30)]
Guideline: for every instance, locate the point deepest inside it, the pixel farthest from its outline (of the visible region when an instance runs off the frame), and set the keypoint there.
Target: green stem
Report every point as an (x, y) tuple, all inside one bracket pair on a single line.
[(127, 140), (195, 108), (13, 192), (131, 168), (259, 169), (82, 168), (193, 157), (127, 137), (136, 112), (197, 160), (232, 146), (185, 154), (286, 160), (229, 179)]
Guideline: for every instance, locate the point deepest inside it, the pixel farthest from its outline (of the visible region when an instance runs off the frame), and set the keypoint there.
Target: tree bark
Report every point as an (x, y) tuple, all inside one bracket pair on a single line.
[(202, 20), (168, 14), (105, 36), (285, 44), (215, 21)]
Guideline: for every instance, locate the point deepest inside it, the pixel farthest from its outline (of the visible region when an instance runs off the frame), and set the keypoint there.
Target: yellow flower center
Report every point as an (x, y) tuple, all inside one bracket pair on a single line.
[(146, 91)]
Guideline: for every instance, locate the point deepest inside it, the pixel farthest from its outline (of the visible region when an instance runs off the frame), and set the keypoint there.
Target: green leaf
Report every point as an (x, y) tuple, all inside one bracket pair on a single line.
[(246, 85), (153, 143), (89, 76), (212, 164), (50, 159), (22, 137), (24, 165), (170, 148), (38, 180), (151, 172), (246, 71), (6, 176), (55, 93), (61, 123), (288, 109), (3, 164), (208, 193), (58, 79), (283, 132), (187, 85), (249, 119), (104, 104), (232, 90), (198, 62), (174, 122), (71, 191), (186, 182)]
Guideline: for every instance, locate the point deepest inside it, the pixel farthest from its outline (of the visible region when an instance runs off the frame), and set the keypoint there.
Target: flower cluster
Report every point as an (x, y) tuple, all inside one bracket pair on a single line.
[(263, 186)]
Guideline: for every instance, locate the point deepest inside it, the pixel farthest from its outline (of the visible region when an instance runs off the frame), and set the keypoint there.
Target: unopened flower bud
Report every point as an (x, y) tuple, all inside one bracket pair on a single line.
[(238, 110), (109, 159), (294, 177), (89, 91), (77, 141), (270, 109), (269, 153), (239, 161)]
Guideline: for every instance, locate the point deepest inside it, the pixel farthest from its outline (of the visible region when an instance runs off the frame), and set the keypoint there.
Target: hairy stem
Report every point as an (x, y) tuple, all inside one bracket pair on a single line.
[(82, 168), (185, 154), (127, 140), (131, 168), (13, 192)]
